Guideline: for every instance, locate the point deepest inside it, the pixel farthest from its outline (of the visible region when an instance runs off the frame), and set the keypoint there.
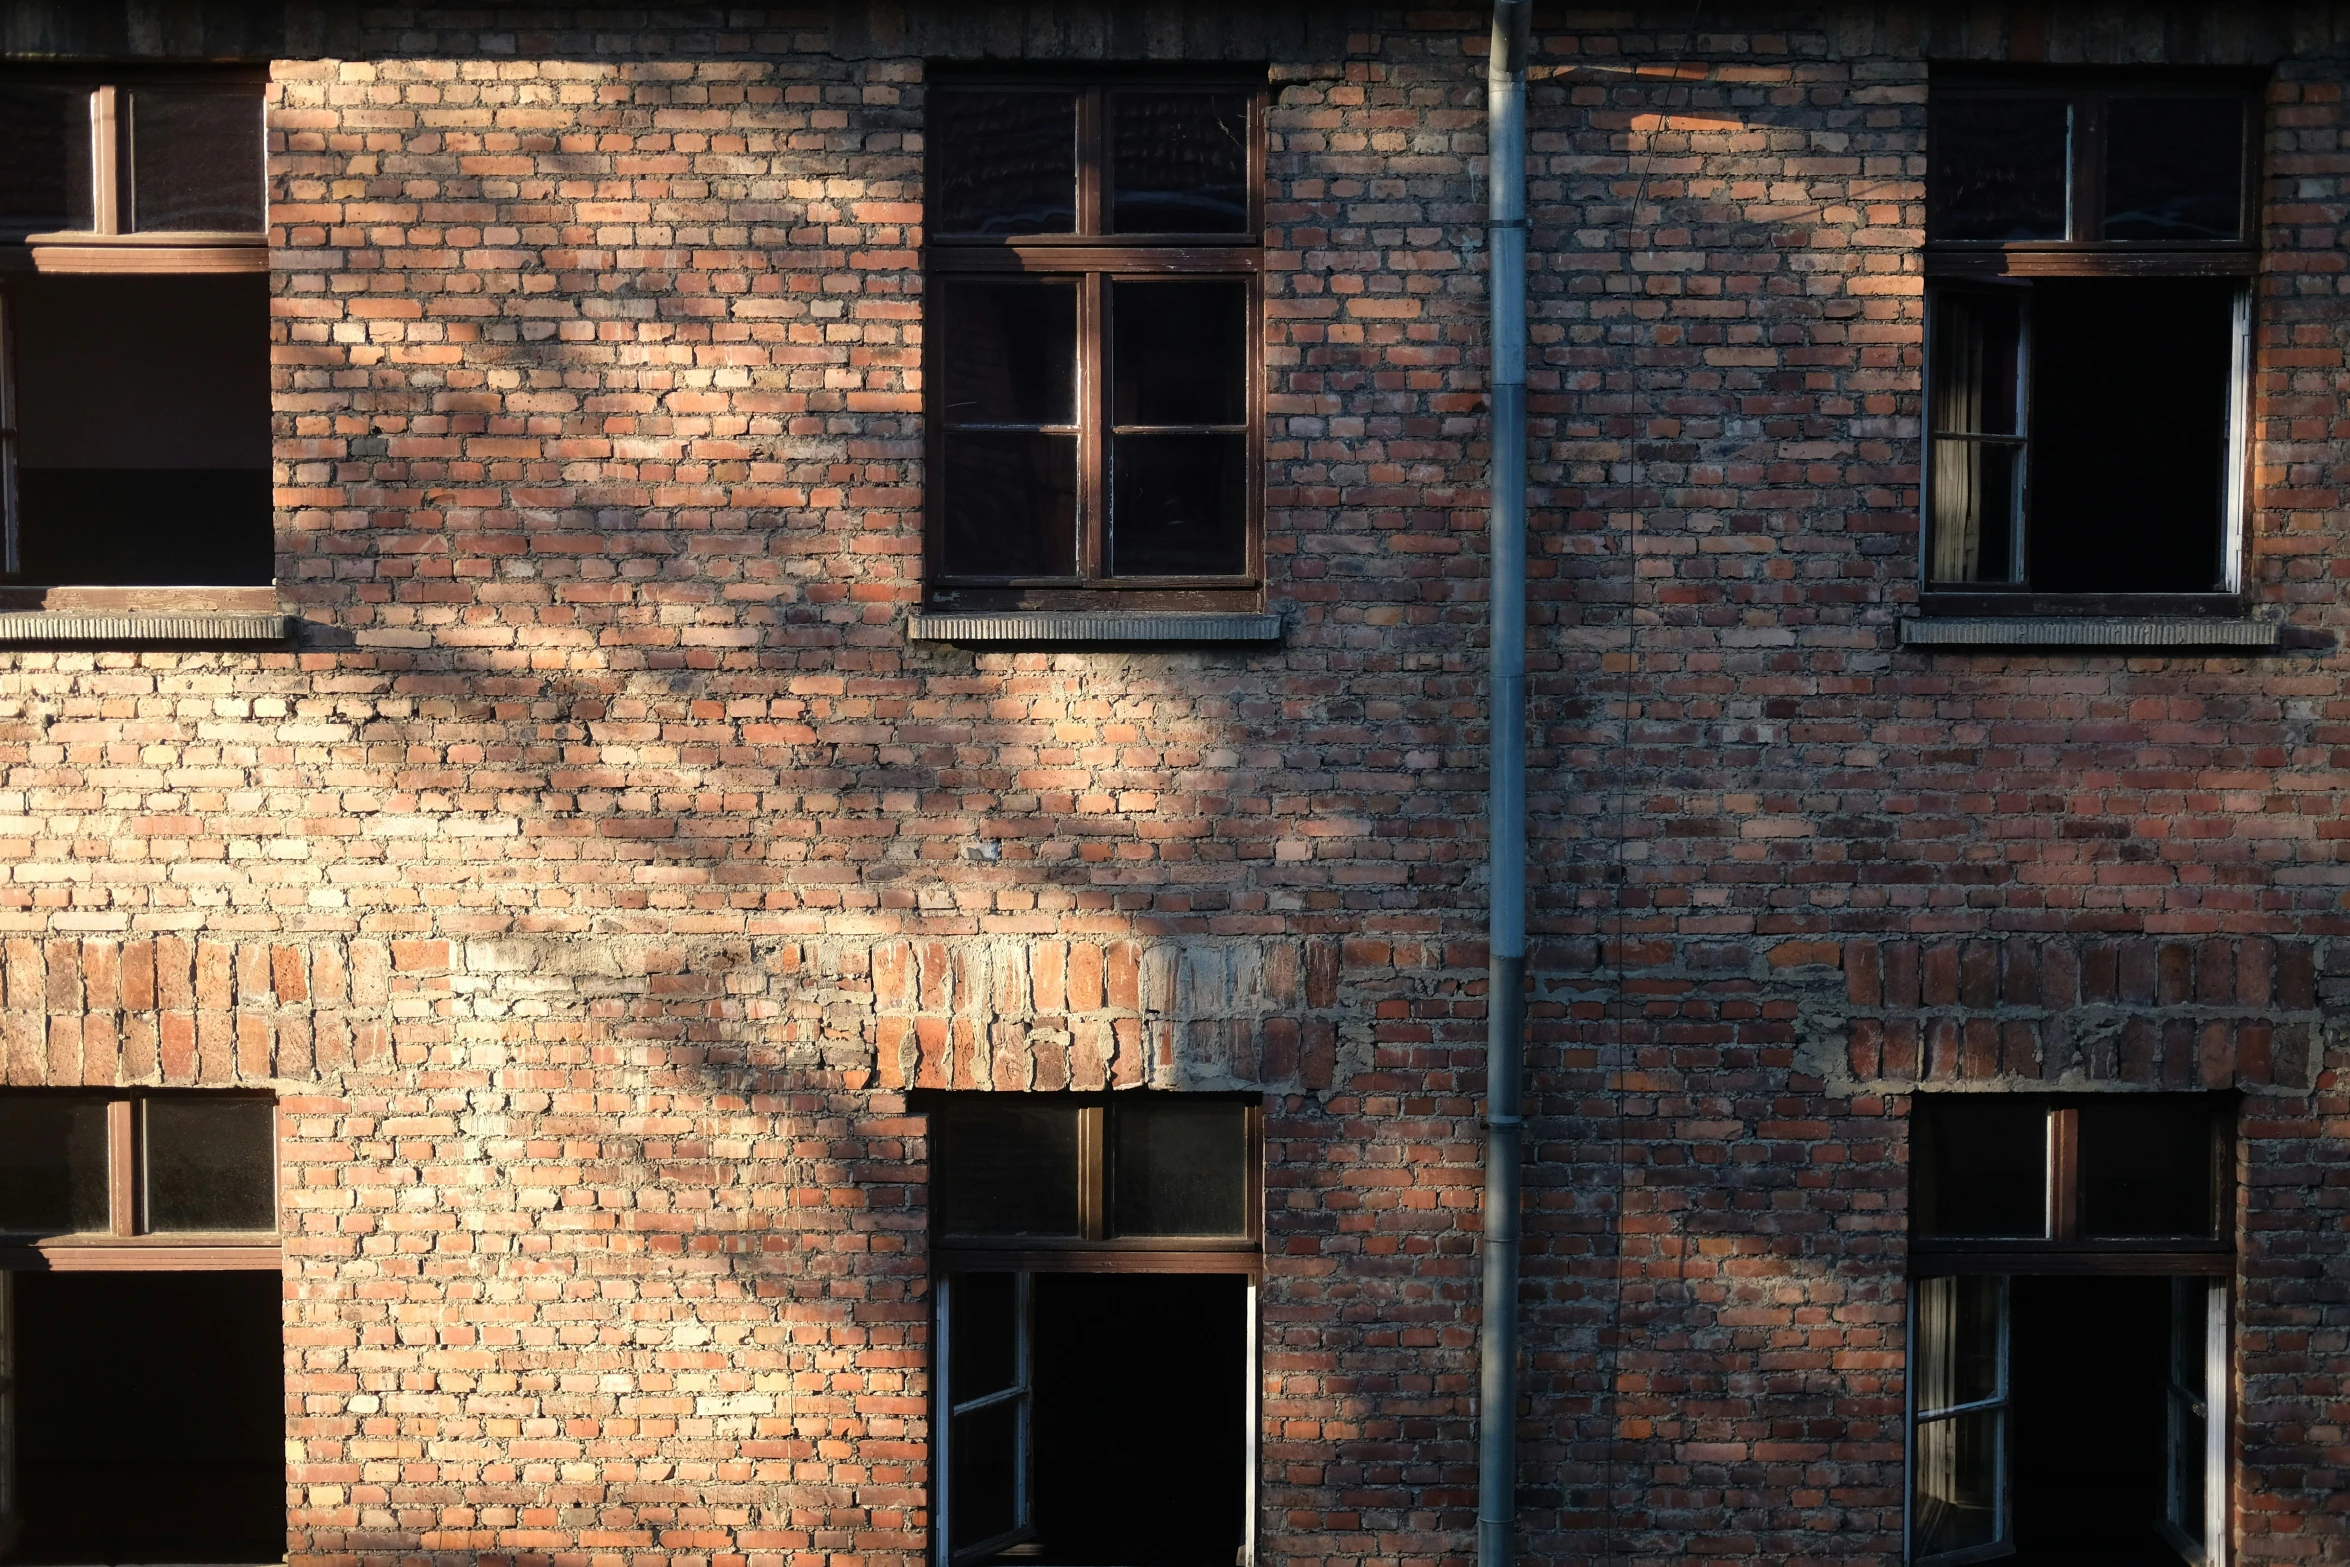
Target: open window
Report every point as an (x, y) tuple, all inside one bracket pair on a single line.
[(2068, 1339), (2090, 258), (1093, 343), (140, 1328), (134, 331), (1096, 1259)]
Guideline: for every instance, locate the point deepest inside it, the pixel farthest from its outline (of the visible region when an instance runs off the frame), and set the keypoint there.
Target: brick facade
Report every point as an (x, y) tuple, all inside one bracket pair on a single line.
[(604, 869)]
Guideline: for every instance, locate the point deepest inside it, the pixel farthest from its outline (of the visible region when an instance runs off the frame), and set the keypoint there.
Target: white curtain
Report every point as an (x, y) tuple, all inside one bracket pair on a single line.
[(1957, 405)]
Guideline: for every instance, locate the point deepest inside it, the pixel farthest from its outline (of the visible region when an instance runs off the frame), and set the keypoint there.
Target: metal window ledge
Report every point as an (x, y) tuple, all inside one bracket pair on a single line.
[(1091, 626), (2092, 631)]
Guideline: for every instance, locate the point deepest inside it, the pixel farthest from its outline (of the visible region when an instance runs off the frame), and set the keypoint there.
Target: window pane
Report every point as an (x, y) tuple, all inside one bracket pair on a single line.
[(2146, 1169), (1179, 1168), (53, 1165), (1958, 1342), (1179, 162), (196, 159), (211, 1164), (986, 1474), (983, 1313), (1976, 489), (1997, 168), (1009, 1168), (1179, 505), (1978, 343), (1011, 504), (2174, 169), (1956, 1482), (1009, 354), (1981, 1168), (45, 176), (1181, 352), (1006, 163)]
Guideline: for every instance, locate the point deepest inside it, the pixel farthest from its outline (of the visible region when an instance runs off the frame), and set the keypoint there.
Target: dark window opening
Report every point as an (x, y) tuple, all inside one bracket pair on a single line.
[(1095, 1257), (149, 1418), (1095, 409), (2089, 337), (2068, 1330), (142, 442), (2090, 1422)]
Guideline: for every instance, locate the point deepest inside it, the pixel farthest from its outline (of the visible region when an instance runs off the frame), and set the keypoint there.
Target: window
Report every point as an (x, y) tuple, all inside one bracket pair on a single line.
[(2068, 1329), (1095, 429), (134, 331), (139, 1271), (2089, 260), (1096, 1259)]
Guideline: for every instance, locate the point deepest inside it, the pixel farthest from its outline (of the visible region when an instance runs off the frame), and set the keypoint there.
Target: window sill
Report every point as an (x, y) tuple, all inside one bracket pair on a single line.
[(1094, 626), (2093, 631), (143, 1254), (85, 628)]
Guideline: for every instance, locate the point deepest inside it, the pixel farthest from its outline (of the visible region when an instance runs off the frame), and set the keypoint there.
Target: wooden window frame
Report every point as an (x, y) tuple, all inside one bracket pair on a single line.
[(1094, 259), (126, 1245), (109, 245), (1095, 1250), (2063, 1247), (2084, 254), (2064, 1250)]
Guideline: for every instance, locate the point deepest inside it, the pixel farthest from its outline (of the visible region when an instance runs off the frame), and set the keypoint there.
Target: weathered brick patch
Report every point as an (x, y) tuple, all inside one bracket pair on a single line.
[(2212, 1012), (1007, 1013)]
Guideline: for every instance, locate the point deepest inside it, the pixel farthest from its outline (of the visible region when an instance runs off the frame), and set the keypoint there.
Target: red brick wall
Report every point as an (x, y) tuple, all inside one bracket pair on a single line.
[(593, 884)]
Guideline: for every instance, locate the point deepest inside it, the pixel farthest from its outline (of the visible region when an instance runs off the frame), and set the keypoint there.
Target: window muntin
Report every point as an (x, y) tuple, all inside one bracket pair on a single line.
[(1093, 362), (2089, 255), (157, 1168)]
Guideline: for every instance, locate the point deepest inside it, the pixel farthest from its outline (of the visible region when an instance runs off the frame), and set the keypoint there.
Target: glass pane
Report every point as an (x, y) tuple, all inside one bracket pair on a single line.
[(1955, 1481), (1009, 354), (1958, 1341), (1009, 1168), (986, 1466), (1179, 505), (2190, 1300), (53, 1165), (196, 159), (1006, 164), (983, 1326), (2174, 169), (1181, 352), (2146, 1169), (1977, 495), (1179, 1168), (1011, 504), (1978, 346), (1179, 162), (1981, 1168), (211, 1164), (1998, 168), (45, 177)]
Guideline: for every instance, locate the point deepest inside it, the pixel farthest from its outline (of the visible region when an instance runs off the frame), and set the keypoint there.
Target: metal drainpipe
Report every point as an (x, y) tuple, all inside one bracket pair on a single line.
[(1505, 1005)]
